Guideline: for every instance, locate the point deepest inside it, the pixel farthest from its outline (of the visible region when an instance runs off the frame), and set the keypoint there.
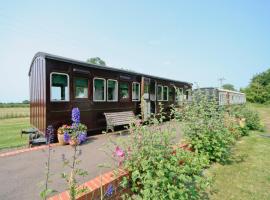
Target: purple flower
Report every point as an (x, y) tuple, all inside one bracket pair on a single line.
[(109, 191), (119, 152), (81, 138), (49, 134), (75, 115), (66, 137)]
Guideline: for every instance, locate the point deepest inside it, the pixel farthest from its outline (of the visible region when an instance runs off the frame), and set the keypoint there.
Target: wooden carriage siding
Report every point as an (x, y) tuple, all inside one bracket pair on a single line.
[(44, 111), (224, 97)]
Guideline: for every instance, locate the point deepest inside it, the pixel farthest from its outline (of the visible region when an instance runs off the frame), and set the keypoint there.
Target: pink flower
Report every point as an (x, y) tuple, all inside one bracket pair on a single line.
[(119, 152)]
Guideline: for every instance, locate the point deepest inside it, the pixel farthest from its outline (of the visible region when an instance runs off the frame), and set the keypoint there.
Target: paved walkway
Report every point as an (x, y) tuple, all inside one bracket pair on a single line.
[(21, 174)]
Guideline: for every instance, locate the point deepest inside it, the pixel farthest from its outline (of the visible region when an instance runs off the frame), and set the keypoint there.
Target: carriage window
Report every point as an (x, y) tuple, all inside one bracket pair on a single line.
[(112, 90), (99, 89), (135, 92), (123, 91), (165, 93), (187, 94), (159, 93), (59, 87), (81, 87), (179, 94), (171, 94)]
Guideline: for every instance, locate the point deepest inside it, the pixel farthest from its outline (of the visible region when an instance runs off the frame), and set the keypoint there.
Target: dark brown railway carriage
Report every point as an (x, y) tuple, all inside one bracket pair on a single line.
[(58, 84)]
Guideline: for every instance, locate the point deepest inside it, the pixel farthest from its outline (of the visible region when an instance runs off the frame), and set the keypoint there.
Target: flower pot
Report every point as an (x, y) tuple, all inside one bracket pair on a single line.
[(61, 139), (73, 142)]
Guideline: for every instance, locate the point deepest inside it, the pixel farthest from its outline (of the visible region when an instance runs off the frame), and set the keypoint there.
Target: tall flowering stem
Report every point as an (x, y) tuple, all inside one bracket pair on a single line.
[(49, 134), (76, 115)]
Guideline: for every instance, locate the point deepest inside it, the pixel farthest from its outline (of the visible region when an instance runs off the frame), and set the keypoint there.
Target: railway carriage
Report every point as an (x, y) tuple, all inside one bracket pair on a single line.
[(224, 97), (58, 84)]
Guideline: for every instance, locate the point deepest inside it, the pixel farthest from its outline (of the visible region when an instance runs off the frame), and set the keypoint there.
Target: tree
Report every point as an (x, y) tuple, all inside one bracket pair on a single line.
[(96, 61), (26, 102), (228, 86), (258, 91)]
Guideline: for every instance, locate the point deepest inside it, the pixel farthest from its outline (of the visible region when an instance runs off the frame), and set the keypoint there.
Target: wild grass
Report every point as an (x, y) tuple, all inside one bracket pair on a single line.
[(246, 175), (14, 112)]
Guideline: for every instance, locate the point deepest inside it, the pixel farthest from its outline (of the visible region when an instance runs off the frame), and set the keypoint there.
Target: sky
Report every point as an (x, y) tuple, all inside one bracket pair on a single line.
[(193, 41)]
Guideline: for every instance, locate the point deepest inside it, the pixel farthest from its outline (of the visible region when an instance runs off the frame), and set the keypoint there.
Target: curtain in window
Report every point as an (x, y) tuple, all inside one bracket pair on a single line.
[(99, 86), (123, 91), (112, 90), (81, 87)]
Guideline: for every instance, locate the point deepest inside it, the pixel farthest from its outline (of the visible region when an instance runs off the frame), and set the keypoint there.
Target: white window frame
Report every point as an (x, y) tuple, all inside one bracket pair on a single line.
[(166, 94), (116, 90), (139, 91), (97, 78), (161, 93), (68, 95)]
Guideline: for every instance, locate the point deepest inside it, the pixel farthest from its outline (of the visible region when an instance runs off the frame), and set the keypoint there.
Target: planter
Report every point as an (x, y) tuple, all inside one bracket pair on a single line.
[(73, 142), (61, 139)]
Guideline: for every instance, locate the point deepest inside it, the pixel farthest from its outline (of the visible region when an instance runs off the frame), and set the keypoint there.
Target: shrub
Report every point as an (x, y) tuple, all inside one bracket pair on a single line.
[(252, 119), (157, 171), (205, 128)]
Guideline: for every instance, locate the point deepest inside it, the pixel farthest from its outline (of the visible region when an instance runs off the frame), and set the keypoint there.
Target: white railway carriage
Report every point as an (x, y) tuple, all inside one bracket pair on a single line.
[(225, 97)]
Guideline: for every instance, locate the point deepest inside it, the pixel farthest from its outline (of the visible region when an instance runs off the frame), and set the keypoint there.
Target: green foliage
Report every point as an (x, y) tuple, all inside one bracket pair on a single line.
[(258, 90), (25, 101), (96, 61), (14, 105), (205, 128), (252, 119), (228, 86), (157, 170), (71, 179)]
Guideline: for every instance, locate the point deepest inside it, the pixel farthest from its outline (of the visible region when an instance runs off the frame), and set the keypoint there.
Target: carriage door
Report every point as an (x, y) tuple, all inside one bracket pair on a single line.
[(149, 97)]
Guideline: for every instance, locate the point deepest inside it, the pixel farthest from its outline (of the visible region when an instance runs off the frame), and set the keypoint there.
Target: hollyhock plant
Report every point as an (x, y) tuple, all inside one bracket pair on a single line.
[(119, 152)]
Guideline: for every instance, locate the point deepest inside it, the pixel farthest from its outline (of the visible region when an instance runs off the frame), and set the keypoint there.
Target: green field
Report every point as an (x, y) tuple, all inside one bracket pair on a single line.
[(247, 175), (12, 120)]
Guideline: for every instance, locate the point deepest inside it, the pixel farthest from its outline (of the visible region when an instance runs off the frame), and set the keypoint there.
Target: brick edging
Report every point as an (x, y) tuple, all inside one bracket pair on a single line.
[(19, 151), (93, 186), (27, 149)]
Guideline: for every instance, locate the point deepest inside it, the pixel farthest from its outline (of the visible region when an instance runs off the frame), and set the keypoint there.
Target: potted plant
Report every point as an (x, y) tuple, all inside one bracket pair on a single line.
[(65, 129), (77, 132)]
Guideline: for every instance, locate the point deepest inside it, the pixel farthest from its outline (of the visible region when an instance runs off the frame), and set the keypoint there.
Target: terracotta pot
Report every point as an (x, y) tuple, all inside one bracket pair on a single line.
[(73, 142), (61, 139)]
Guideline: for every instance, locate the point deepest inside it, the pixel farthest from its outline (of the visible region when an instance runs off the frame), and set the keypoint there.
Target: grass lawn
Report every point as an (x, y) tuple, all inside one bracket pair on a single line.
[(247, 175), (10, 136)]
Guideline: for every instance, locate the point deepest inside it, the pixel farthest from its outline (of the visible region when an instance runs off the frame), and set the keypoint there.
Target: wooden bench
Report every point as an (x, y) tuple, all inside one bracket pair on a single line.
[(118, 119)]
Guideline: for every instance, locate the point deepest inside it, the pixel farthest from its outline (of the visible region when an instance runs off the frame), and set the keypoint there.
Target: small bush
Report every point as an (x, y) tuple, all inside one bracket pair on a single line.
[(252, 119), (205, 128)]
